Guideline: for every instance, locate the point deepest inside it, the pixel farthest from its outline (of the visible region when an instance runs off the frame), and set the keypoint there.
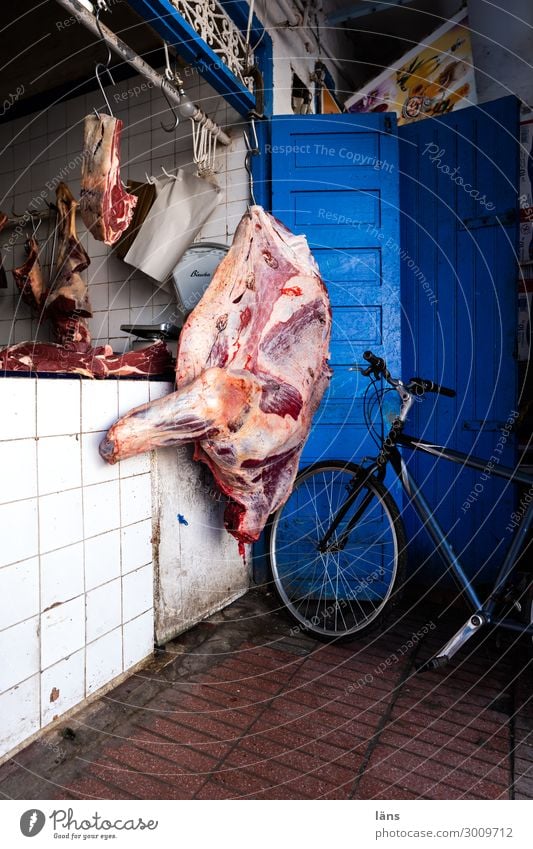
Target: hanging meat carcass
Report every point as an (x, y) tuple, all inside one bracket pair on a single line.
[(106, 209), (251, 371), (67, 301), (29, 277)]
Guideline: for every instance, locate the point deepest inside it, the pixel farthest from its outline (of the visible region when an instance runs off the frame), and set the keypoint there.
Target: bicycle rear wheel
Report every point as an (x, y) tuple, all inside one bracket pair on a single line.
[(344, 591)]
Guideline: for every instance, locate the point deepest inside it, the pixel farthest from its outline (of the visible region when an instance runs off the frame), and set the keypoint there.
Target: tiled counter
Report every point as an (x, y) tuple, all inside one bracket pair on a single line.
[(76, 572)]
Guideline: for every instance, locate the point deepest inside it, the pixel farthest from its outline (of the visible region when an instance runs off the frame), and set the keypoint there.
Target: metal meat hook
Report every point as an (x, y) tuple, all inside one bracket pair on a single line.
[(103, 67), (171, 127), (251, 150), (168, 77)]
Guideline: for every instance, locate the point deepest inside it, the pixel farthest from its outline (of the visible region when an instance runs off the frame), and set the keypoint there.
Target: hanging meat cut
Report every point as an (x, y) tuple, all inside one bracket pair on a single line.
[(29, 277), (106, 209), (67, 300), (251, 371), (66, 304)]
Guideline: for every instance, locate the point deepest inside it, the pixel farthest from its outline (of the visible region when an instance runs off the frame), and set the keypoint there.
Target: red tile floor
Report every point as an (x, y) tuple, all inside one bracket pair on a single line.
[(240, 707)]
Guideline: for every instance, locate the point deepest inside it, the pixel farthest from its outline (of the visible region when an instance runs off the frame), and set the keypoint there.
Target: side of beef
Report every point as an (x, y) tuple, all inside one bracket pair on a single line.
[(106, 209)]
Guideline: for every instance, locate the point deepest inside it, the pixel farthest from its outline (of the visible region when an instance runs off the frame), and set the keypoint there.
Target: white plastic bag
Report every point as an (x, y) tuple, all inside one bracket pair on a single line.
[(183, 204)]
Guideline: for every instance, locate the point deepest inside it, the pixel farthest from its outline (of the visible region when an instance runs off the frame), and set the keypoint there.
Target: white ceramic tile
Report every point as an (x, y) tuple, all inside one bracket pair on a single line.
[(18, 531), (136, 541), (61, 575), (102, 559), (99, 327), (98, 275), (103, 609), (103, 660), (138, 636), (119, 294), (17, 402), (99, 296), (116, 318), (101, 508), (99, 404), (19, 709), (60, 519), (95, 469), (137, 592), (62, 631), (62, 686), (160, 388), (137, 465), (136, 498), (19, 650), (140, 291), (59, 463), (19, 592), (18, 464), (58, 406), (131, 394)]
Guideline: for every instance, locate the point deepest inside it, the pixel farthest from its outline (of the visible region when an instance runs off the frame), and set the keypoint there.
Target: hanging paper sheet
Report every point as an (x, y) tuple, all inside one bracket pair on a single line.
[(430, 80)]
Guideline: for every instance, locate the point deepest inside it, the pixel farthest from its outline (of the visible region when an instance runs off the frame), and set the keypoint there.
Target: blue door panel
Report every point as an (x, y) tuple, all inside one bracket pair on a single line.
[(335, 179), (459, 277)]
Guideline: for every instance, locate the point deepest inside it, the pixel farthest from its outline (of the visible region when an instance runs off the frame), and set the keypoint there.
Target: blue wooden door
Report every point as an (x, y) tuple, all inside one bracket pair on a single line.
[(335, 179), (458, 197)]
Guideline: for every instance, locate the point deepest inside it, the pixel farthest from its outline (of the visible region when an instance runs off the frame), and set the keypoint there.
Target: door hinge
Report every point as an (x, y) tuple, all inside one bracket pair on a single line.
[(505, 219)]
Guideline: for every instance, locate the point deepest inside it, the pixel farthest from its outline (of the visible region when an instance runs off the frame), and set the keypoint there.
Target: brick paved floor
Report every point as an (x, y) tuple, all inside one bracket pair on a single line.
[(240, 708)]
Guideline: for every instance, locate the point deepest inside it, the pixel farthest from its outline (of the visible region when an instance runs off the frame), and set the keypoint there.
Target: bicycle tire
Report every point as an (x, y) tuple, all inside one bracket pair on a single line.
[(371, 567)]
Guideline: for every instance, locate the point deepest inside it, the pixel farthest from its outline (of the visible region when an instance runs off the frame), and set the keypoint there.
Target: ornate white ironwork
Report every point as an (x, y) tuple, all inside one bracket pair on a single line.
[(213, 24)]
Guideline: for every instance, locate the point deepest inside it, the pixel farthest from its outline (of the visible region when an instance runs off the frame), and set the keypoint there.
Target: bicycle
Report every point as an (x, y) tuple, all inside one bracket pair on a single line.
[(338, 545)]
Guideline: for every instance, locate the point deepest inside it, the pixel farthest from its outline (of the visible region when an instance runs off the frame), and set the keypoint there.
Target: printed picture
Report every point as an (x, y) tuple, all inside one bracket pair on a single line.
[(428, 82)]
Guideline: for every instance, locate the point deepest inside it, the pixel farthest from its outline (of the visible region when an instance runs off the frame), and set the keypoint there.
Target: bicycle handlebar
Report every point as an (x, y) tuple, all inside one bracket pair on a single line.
[(431, 386), (417, 385)]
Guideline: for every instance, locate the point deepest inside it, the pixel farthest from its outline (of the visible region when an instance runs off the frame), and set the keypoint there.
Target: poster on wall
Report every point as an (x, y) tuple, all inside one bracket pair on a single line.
[(430, 80)]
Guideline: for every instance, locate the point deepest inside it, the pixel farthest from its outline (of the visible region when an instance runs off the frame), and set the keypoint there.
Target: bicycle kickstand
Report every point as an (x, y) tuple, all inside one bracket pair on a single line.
[(471, 627)]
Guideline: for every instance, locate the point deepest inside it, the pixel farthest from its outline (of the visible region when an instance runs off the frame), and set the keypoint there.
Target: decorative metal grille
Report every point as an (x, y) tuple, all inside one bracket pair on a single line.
[(212, 23)]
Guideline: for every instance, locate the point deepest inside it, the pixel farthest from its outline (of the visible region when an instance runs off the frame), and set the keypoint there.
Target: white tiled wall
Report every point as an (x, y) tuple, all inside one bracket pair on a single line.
[(76, 573), (43, 148)]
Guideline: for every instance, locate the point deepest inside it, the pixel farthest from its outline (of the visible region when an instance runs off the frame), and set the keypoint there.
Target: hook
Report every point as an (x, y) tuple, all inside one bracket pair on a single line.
[(99, 68), (103, 7), (251, 150), (171, 127), (103, 67), (35, 225)]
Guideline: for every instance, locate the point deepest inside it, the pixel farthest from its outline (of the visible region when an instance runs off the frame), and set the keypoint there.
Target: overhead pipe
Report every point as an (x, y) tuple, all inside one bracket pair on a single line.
[(80, 12)]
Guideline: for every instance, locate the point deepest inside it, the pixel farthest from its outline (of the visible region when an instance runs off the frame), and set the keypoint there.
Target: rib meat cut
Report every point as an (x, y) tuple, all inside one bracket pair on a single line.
[(106, 209), (251, 371), (100, 362)]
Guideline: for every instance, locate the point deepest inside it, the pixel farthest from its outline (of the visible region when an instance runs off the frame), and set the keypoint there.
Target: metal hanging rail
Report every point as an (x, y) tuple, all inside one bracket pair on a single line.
[(79, 11)]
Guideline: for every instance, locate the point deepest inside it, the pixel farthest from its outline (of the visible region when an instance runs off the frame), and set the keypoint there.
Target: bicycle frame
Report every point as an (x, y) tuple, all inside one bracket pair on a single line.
[(485, 609), (391, 454)]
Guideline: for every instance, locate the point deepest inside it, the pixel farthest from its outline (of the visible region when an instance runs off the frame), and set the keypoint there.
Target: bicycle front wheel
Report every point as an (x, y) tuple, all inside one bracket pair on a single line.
[(346, 589)]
